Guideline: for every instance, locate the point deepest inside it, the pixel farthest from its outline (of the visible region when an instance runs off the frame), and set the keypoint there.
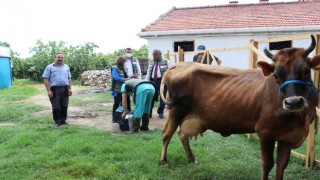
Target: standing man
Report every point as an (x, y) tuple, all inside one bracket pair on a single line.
[(156, 69), (57, 80), (143, 93), (132, 65), (132, 68)]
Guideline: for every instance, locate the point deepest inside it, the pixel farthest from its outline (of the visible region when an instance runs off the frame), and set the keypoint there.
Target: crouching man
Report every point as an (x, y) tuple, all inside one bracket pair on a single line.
[(143, 94)]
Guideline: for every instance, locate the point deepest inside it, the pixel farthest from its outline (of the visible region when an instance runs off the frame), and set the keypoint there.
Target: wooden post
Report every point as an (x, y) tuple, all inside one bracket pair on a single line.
[(167, 55), (311, 144), (215, 62), (253, 57), (181, 54), (207, 54), (175, 57)]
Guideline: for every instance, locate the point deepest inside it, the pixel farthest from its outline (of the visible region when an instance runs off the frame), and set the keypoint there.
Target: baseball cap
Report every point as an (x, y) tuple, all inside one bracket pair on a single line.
[(201, 47)]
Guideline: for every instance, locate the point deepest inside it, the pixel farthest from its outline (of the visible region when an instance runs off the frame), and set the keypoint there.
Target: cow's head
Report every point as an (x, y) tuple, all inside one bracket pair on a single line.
[(291, 69)]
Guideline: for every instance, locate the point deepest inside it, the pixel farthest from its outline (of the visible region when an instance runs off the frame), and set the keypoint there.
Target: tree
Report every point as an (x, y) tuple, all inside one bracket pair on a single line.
[(80, 58), (142, 52), (43, 54), (18, 63)]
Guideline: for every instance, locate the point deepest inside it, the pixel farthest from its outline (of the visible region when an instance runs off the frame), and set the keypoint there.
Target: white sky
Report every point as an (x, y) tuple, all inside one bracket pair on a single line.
[(110, 24)]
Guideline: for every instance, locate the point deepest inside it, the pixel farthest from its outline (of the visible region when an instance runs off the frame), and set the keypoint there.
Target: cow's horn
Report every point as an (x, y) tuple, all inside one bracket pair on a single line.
[(312, 46), (268, 53)]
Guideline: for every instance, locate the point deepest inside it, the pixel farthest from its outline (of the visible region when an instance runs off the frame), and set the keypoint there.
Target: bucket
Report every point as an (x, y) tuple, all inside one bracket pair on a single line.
[(126, 124), (130, 118)]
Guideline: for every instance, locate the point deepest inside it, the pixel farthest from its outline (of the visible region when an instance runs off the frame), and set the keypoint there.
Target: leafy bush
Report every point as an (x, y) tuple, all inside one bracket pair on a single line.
[(80, 58)]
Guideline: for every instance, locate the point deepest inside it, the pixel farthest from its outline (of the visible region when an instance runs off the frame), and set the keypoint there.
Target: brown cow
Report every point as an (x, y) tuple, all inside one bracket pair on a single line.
[(278, 103)]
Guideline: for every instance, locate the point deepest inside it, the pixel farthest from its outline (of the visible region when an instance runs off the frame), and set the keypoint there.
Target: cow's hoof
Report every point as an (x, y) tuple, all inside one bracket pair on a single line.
[(194, 161), (162, 162)]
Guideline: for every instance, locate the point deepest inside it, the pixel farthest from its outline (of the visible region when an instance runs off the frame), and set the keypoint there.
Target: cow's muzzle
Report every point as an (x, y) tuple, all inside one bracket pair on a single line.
[(294, 103)]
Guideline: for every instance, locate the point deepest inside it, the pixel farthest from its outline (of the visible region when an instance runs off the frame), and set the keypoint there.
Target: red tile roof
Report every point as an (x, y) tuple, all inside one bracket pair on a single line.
[(235, 16)]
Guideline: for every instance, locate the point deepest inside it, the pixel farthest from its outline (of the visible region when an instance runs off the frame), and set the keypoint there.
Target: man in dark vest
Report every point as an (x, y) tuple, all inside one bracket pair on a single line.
[(143, 93), (156, 69)]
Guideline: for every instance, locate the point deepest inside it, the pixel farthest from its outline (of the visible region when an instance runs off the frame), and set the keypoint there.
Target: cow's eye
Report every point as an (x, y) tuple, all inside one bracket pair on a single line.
[(276, 76)]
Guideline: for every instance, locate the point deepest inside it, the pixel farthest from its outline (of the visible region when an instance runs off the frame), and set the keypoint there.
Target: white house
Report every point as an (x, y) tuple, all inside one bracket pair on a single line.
[(233, 25)]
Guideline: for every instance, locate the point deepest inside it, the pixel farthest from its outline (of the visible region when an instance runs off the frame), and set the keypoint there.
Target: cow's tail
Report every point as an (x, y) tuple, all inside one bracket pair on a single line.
[(165, 99)]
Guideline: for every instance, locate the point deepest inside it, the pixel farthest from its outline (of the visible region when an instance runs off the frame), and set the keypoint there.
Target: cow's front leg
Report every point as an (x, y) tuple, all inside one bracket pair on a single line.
[(167, 132), (267, 160), (283, 156), (186, 145)]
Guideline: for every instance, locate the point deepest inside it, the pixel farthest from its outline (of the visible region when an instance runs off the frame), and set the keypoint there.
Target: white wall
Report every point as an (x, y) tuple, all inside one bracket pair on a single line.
[(235, 59)]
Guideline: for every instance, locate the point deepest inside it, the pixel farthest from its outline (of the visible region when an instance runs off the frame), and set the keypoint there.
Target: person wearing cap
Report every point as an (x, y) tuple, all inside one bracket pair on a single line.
[(198, 57)]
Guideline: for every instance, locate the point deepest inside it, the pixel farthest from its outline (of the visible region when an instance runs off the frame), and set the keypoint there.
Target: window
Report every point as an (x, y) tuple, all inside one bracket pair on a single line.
[(185, 45), (280, 45)]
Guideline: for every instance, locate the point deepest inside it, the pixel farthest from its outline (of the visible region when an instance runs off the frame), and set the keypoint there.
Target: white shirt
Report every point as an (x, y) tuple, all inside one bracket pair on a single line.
[(129, 69)]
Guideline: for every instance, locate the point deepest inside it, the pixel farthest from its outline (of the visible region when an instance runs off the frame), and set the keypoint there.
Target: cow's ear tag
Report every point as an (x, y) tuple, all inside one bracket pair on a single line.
[(266, 67)]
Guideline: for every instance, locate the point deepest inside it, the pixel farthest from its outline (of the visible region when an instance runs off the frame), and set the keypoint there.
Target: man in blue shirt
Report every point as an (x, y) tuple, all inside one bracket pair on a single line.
[(57, 80)]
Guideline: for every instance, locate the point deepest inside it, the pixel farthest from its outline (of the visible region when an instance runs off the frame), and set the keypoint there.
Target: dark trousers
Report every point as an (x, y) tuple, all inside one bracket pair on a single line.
[(157, 96), (59, 102), (117, 102)]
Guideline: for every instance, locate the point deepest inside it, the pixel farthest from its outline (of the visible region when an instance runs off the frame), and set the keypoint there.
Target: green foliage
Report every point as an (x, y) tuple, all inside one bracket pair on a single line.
[(141, 53), (80, 58), (18, 68), (4, 44)]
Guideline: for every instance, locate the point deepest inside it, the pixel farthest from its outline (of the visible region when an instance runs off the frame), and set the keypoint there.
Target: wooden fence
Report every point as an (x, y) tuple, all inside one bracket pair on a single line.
[(254, 54)]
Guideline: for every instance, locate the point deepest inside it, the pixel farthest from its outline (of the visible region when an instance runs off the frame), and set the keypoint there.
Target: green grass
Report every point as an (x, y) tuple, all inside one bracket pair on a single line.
[(85, 99), (33, 149), (21, 89)]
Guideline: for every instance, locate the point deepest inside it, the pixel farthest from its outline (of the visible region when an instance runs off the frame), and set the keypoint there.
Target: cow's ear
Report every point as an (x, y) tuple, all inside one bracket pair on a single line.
[(266, 67), (315, 61)]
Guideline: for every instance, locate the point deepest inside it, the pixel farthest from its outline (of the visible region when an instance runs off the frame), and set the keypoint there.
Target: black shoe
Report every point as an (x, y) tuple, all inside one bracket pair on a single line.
[(144, 128), (161, 116)]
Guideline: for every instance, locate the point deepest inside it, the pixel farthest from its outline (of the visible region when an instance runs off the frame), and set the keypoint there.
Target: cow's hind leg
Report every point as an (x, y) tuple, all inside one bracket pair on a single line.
[(167, 132), (186, 145), (267, 160), (283, 156)]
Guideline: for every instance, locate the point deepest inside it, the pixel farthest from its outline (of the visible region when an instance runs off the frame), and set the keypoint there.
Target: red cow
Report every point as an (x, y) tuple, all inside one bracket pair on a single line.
[(278, 103)]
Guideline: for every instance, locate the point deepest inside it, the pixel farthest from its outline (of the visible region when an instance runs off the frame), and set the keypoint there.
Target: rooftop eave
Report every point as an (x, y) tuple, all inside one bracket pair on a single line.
[(227, 31)]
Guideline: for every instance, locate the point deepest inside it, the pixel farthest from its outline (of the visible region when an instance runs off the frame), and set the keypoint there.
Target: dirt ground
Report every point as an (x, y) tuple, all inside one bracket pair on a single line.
[(79, 115)]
